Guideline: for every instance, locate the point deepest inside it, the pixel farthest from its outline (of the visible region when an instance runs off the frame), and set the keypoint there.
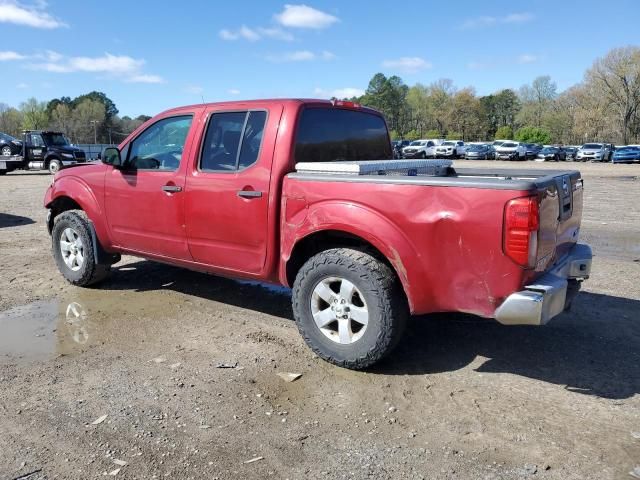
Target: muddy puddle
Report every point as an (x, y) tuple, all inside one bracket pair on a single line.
[(46, 329)]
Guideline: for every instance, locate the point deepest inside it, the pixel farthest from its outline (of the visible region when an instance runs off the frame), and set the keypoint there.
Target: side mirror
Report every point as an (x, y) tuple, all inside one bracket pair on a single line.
[(111, 156)]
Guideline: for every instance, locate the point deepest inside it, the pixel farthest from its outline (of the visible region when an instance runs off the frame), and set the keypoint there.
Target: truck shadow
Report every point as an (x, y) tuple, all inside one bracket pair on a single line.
[(10, 220), (592, 350)]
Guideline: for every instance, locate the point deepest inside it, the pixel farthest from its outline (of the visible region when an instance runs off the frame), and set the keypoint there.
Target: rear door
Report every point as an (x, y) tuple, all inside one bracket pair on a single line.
[(144, 200), (227, 191)]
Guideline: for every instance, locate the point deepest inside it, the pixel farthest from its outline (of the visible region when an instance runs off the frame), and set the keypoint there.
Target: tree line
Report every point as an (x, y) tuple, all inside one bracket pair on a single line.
[(88, 118), (603, 107)]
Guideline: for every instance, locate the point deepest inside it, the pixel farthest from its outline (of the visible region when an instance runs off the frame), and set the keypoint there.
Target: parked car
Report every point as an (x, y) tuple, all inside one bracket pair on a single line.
[(571, 152), (43, 150), (360, 250), (511, 151), (421, 149), (532, 150), (628, 154), (480, 152), (398, 145), (592, 151), (553, 154), (9, 145), (450, 149)]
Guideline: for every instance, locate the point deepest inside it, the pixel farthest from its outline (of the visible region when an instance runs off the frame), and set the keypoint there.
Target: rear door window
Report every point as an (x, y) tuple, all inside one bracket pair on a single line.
[(334, 134), (232, 141)]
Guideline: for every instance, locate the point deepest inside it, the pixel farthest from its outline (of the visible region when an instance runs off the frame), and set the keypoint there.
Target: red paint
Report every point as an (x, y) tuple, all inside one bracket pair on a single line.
[(445, 243)]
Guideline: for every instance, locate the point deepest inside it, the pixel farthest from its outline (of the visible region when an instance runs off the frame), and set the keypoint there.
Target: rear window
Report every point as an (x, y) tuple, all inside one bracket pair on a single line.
[(334, 134)]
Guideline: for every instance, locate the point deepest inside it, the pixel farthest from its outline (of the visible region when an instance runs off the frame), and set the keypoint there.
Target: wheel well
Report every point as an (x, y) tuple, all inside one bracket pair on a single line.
[(325, 240), (59, 205)]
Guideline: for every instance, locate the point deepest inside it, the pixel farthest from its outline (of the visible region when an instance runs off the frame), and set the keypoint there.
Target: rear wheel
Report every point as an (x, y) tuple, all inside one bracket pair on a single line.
[(73, 249), (349, 307), (54, 166)]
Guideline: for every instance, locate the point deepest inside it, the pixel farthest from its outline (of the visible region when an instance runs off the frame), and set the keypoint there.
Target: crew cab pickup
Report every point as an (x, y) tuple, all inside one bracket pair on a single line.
[(304, 193)]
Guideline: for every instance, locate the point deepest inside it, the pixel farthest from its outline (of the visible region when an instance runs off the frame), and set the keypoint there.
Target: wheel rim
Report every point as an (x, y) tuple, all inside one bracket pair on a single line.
[(72, 249), (339, 310), (6, 151), (54, 167)]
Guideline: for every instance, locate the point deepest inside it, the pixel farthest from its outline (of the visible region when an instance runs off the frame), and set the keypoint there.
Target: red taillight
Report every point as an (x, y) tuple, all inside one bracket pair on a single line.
[(344, 103), (521, 222)]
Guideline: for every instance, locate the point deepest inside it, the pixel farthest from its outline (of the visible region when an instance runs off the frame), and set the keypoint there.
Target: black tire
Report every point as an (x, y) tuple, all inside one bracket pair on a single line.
[(89, 272), (383, 296), (55, 166), (3, 172), (423, 155)]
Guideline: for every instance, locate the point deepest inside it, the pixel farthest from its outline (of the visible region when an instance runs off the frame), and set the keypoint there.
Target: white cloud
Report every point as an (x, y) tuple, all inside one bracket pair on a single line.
[(276, 33), (300, 56), (407, 64), (303, 16), (487, 20), (527, 58), (233, 91), (22, 86), (8, 55), (347, 92), (28, 15), (254, 35), (127, 68), (145, 78), (194, 89)]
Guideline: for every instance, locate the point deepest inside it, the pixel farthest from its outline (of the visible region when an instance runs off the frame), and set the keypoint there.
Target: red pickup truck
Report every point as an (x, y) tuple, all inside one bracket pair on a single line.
[(303, 193)]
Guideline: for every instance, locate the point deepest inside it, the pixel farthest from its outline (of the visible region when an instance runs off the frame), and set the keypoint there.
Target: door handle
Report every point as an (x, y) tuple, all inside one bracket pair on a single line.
[(249, 194), (171, 188)]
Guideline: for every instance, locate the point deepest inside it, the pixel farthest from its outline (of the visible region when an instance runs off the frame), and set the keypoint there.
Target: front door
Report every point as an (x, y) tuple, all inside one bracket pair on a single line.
[(144, 199), (227, 197), (35, 147)]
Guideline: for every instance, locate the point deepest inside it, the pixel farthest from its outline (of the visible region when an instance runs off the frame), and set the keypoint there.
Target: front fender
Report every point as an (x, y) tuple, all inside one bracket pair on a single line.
[(77, 190), (362, 222)]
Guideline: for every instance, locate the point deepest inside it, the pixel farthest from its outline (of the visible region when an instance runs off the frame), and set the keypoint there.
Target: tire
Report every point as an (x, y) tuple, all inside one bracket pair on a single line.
[(54, 166), (6, 151), (4, 172), (423, 155), (374, 289), (72, 227)]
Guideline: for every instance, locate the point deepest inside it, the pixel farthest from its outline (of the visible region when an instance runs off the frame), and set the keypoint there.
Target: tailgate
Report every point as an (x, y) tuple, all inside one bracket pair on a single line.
[(560, 200)]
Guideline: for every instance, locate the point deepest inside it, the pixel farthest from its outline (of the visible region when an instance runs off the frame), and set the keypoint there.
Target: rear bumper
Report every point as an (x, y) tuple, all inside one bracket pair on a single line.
[(547, 297)]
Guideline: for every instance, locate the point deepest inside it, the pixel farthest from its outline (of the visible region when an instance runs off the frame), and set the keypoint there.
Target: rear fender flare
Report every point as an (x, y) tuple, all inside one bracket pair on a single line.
[(361, 222)]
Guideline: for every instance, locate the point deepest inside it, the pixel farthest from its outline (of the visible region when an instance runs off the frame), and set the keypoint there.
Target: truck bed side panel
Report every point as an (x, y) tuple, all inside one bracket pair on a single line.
[(445, 243)]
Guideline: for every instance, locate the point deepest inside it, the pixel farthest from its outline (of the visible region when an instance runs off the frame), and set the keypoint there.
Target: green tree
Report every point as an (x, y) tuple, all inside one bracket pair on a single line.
[(504, 133), (34, 114), (10, 120), (533, 135), (389, 95), (432, 134)]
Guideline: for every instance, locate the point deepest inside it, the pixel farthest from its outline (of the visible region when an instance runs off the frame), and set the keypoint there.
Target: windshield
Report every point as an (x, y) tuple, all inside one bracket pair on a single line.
[(6, 138), (509, 145), (55, 139), (477, 148), (448, 144), (417, 143), (592, 145), (334, 134), (549, 150), (627, 149)]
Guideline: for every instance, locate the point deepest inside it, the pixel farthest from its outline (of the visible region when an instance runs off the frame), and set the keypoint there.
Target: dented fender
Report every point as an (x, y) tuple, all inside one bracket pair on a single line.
[(354, 219)]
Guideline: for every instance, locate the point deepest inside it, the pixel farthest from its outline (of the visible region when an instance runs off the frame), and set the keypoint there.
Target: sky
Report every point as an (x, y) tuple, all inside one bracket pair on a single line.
[(148, 56)]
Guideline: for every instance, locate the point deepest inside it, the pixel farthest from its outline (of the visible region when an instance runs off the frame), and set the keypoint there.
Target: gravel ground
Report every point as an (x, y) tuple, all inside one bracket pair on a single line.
[(93, 378)]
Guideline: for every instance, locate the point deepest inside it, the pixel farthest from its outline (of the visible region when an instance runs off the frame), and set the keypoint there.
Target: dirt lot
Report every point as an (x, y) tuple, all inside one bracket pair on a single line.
[(461, 398)]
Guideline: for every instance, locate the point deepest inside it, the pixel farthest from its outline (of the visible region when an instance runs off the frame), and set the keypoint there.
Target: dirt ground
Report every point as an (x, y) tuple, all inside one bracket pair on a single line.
[(462, 397)]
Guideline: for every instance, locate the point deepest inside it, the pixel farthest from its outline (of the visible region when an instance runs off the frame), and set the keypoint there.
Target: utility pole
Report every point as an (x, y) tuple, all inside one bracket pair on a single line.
[(95, 130)]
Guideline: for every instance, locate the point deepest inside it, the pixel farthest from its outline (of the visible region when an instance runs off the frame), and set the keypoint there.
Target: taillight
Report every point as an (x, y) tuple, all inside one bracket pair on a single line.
[(521, 222)]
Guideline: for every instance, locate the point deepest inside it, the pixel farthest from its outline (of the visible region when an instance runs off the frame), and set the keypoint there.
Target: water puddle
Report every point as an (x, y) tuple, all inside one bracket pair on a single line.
[(45, 329)]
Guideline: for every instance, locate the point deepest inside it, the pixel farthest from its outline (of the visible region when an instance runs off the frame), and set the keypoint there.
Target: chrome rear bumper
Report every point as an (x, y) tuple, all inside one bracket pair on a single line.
[(547, 297)]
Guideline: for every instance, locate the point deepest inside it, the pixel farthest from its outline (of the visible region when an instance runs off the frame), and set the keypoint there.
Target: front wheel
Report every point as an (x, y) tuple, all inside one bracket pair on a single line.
[(73, 249), (349, 307), (6, 151), (54, 166)]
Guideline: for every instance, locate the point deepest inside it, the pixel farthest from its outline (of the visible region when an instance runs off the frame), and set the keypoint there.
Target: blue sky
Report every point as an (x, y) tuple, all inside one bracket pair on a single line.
[(149, 55)]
